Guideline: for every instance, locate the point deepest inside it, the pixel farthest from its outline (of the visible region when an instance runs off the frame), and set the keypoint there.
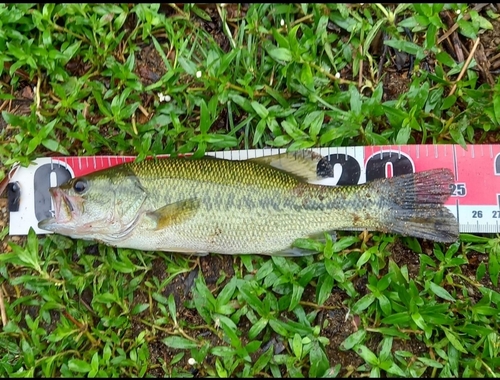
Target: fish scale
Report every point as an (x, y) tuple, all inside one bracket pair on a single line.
[(270, 204), (239, 207)]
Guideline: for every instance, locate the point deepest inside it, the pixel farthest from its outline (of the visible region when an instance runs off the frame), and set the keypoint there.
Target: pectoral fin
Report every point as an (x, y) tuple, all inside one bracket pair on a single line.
[(174, 213), (304, 164)]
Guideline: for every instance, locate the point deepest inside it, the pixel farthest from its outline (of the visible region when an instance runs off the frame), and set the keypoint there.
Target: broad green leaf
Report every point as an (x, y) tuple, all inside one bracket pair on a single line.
[(441, 292), (366, 354), (454, 340), (334, 270), (355, 98), (244, 103), (448, 102), (78, 365), (481, 21), (444, 58), (263, 360), (395, 115), (494, 266), (430, 362), (419, 96), (364, 258), (325, 290), (139, 308), (496, 103), (297, 292), (257, 328), (221, 371), (397, 319), (352, 340), (251, 298), (315, 121), (457, 134), (481, 271), (319, 361), (282, 41), (261, 127), (297, 346), (407, 47), (260, 109), (172, 309), (306, 76), (227, 292), (363, 303), (467, 29), (279, 327), (301, 145), (179, 342), (403, 135), (396, 370), (188, 65), (385, 304), (205, 121), (280, 54)]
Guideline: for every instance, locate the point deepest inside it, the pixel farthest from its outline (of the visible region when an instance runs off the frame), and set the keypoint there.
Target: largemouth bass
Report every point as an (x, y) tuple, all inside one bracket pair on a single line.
[(261, 206)]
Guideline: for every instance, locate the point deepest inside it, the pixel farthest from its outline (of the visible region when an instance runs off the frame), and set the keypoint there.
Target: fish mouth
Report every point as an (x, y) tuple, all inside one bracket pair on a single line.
[(64, 210)]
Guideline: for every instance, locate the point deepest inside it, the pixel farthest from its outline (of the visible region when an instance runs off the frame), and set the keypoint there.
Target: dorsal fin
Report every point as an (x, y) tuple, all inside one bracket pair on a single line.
[(302, 163)]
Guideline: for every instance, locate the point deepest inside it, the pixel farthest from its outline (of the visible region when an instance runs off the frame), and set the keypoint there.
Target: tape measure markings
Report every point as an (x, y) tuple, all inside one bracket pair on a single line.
[(475, 199)]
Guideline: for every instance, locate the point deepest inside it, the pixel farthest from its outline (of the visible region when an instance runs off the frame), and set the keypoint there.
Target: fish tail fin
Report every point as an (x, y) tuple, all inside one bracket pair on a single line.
[(415, 205)]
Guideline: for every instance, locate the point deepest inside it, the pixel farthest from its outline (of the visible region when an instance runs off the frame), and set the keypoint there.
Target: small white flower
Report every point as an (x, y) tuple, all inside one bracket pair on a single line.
[(191, 361), (164, 98), (282, 22), (198, 74), (458, 11), (222, 5), (337, 75)]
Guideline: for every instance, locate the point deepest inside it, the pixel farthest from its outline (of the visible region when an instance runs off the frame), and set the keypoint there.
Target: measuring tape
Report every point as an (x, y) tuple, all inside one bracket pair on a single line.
[(474, 200)]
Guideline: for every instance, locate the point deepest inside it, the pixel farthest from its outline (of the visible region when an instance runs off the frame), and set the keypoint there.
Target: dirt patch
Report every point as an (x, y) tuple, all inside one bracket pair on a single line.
[(337, 324), (149, 64), (402, 255)]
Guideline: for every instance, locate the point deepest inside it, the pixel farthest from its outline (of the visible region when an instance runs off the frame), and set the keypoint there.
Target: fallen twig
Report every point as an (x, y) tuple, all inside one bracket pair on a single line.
[(466, 65), (143, 110), (495, 61), (483, 64), (2, 309)]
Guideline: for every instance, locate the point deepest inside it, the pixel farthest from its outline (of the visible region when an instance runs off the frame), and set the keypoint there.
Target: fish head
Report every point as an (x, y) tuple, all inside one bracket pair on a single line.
[(103, 206)]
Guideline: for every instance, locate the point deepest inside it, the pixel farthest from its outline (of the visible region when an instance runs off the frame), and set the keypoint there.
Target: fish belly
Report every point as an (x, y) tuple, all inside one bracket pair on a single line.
[(240, 233)]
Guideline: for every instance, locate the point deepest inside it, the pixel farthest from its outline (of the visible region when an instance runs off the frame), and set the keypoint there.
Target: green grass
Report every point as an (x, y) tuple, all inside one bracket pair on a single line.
[(280, 75)]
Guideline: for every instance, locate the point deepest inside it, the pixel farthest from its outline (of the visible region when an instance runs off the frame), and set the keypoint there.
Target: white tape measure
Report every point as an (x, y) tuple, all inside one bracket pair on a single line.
[(475, 199)]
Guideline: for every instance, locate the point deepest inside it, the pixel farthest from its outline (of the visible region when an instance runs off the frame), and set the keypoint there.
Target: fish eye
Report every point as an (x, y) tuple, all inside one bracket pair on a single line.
[(80, 185)]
